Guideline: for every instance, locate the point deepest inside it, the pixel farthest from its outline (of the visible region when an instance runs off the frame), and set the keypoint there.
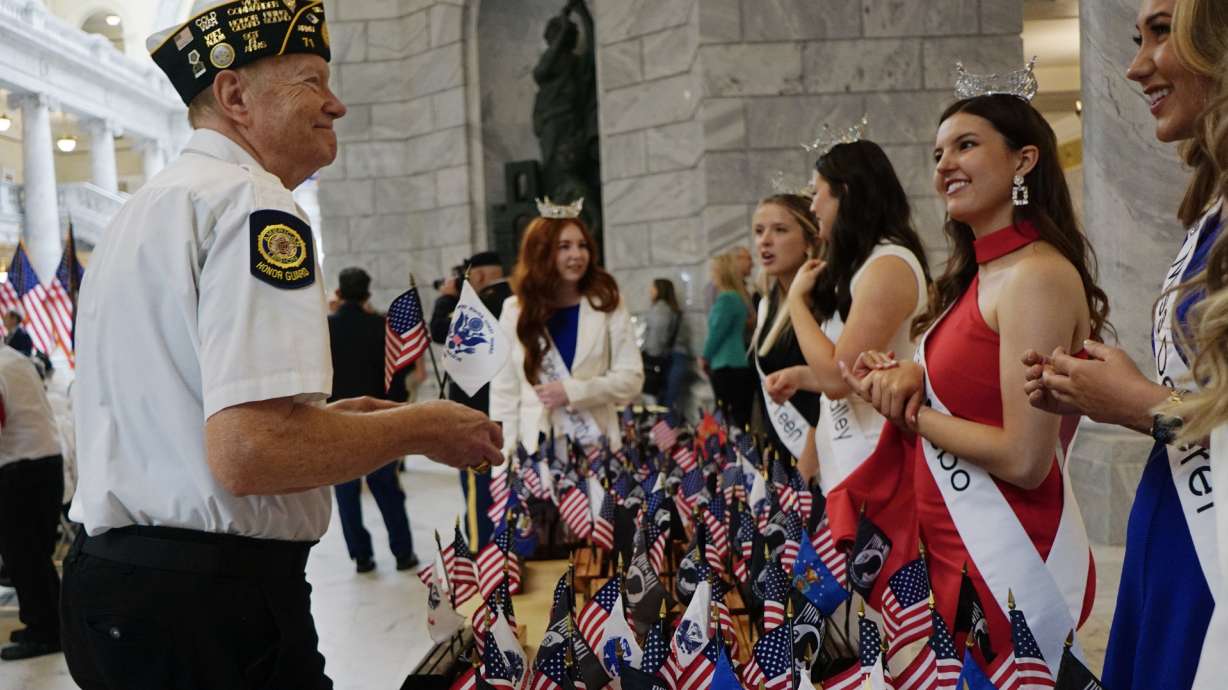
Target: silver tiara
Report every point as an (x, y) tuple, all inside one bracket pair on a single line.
[(781, 184), (829, 138), (549, 209), (1020, 83)]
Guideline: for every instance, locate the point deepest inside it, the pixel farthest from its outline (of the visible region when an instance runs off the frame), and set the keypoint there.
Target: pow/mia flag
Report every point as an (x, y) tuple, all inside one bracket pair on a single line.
[(870, 551), (643, 588), (1073, 675), (693, 568), (970, 617), (809, 629)]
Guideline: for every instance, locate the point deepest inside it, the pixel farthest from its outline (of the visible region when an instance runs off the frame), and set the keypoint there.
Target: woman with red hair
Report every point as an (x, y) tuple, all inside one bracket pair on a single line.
[(576, 358)]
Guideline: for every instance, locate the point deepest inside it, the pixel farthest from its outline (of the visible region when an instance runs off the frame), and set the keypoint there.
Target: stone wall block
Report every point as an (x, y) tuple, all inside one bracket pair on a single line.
[(441, 149), (379, 159), (621, 64), (625, 156), (438, 70), (929, 213), (405, 194), (914, 165), (980, 55), (674, 147), (628, 246), (724, 123), (379, 233), (619, 20), (794, 20), (752, 69), (449, 108), (676, 241), (355, 126), (651, 197), (892, 17), (862, 65), (451, 229), (670, 52), (348, 41), (957, 17), (371, 82), (726, 226), (905, 117), (391, 271), (720, 21), (660, 102), (727, 178), (335, 171), (452, 185), (1002, 17), (368, 9), (447, 24), (400, 120), (335, 234), (790, 121), (347, 197), (396, 39)]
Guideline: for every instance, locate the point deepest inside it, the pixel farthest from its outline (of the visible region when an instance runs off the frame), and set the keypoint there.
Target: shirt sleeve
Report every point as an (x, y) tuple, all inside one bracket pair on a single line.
[(261, 339)]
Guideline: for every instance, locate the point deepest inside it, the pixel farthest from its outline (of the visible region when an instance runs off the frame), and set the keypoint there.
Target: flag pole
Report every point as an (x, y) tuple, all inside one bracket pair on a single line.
[(413, 285)]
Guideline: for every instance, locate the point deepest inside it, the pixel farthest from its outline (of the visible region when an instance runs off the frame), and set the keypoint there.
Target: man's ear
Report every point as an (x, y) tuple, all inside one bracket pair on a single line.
[(231, 97)]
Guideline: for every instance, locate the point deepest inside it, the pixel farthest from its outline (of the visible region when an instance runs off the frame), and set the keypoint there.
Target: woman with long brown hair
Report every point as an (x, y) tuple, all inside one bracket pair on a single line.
[(981, 471), (576, 358), (1171, 582)]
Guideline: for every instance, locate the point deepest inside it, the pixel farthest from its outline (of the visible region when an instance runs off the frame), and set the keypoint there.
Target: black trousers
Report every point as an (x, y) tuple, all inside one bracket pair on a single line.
[(31, 493), (242, 622), (735, 389)]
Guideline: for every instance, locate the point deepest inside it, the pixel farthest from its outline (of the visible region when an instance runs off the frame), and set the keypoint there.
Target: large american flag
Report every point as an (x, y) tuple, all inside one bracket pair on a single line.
[(23, 292), (405, 336), (906, 606)]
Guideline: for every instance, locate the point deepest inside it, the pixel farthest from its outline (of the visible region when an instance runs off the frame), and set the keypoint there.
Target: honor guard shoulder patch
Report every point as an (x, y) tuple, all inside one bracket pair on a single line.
[(282, 253)]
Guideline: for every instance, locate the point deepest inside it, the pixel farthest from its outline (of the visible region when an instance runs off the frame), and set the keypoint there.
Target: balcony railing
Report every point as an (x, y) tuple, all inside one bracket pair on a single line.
[(89, 207)]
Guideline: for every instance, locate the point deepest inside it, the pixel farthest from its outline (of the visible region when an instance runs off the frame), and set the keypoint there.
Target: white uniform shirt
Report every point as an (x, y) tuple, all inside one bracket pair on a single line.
[(174, 325), (29, 430)]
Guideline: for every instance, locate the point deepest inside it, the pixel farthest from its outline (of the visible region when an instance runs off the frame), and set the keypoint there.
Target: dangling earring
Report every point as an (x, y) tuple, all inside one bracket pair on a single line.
[(1019, 193)]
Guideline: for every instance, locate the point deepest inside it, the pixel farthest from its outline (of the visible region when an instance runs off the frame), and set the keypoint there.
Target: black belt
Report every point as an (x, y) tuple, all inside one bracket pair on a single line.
[(190, 551)]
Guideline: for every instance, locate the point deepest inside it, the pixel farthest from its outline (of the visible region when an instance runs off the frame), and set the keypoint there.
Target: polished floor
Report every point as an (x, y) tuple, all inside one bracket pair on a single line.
[(373, 627)]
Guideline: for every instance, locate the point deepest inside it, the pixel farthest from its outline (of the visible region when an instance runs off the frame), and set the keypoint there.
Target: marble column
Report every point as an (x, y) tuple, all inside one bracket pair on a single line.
[(103, 171), (42, 216), (1132, 186), (153, 157)]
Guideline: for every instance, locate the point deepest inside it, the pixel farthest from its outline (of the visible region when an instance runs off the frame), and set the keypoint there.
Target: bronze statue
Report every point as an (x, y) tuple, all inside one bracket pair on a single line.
[(565, 111)]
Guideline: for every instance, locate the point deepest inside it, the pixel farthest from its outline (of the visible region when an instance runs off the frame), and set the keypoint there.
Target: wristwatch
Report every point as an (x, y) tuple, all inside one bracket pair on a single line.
[(1165, 427)]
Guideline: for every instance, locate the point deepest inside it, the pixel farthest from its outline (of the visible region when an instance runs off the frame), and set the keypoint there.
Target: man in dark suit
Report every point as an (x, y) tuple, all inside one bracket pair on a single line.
[(486, 275), (356, 334), (16, 337)]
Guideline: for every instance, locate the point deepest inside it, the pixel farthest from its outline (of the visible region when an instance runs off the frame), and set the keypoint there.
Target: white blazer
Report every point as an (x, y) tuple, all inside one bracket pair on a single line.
[(607, 372)]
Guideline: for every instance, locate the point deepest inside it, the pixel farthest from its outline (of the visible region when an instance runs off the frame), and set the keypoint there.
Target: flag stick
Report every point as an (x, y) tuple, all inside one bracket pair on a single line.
[(451, 589), (413, 285)]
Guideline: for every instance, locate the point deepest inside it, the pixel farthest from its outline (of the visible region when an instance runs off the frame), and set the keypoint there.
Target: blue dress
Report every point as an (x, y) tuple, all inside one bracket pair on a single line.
[(1163, 604), (564, 327)]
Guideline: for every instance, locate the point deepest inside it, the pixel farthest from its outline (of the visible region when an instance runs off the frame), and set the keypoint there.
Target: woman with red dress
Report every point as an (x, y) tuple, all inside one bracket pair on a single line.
[(965, 464)]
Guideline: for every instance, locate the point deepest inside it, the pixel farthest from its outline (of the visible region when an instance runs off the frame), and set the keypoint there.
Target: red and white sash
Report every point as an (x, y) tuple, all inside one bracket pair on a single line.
[(788, 422), (1051, 591), (1192, 468)]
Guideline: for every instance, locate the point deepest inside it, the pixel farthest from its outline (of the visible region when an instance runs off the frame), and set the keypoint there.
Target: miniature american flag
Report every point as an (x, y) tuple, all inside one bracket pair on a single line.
[(664, 435), (24, 293), (576, 512), (500, 491), (825, 546), (775, 593), (906, 606), (405, 337), (1026, 668), (656, 648), (593, 616), (462, 573), (603, 525), (772, 661)]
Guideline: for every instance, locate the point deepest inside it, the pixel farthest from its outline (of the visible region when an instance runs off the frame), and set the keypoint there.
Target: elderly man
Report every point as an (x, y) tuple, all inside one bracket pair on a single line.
[(205, 448)]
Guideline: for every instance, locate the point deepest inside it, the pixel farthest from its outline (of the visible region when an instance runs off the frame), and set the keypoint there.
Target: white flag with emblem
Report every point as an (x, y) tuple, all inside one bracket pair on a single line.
[(475, 348)]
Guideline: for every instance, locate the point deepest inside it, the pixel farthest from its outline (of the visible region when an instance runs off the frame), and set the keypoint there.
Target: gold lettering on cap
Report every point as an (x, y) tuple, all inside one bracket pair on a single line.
[(276, 16), (252, 42), (207, 21), (214, 37), (251, 21)]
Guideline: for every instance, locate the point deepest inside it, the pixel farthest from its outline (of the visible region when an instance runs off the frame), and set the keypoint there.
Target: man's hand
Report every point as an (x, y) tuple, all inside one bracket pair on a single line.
[(455, 435), (552, 395)]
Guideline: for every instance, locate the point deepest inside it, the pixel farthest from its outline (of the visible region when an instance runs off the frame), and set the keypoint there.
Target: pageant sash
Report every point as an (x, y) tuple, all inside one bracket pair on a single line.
[(1191, 466), (1049, 591), (789, 423), (578, 424), (838, 423), (1213, 666)]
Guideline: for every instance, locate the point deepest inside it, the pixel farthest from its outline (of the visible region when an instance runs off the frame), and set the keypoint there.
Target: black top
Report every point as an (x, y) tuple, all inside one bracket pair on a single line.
[(785, 353), (356, 338), (21, 341), (492, 296)]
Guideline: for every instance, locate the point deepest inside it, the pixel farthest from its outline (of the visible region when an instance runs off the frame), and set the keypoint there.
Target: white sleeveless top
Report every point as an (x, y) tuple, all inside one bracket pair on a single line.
[(835, 465)]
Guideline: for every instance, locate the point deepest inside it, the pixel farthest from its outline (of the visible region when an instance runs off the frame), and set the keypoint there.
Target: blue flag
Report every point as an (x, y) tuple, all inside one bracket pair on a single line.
[(724, 677), (972, 675), (815, 581)]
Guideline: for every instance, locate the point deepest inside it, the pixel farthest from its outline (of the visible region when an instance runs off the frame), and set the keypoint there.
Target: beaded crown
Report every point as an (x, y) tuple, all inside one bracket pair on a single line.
[(549, 209), (1020, 83), (829, 138)]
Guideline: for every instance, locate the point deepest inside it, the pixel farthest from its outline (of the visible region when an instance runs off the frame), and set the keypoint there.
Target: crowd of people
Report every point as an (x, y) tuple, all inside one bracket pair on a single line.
[(215, 412)]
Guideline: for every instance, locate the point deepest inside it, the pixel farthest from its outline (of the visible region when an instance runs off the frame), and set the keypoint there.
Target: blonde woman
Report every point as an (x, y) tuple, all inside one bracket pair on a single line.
[(1171, 579), (724, 358), (786, 236)]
